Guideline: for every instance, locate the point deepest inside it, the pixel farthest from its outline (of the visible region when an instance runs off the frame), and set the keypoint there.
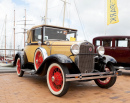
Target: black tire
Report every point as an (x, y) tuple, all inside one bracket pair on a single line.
[(18, 68), (56, 79), (106, 82)]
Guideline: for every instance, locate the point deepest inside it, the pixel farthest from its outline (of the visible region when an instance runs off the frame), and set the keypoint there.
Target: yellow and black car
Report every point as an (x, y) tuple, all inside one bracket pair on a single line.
[(55, 52)]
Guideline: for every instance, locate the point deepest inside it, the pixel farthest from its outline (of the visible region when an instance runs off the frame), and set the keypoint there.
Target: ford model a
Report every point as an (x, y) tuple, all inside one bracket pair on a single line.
[(54, 52)]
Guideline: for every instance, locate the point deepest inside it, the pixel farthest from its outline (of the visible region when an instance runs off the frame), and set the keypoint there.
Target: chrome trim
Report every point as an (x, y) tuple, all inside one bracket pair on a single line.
[(91, 76), (88, 78), (98, 50), (44, 52), (88, 74), (71, 48)]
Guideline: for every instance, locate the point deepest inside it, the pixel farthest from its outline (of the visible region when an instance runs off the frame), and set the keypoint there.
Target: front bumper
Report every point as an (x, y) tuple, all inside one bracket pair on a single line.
[(92, 76)]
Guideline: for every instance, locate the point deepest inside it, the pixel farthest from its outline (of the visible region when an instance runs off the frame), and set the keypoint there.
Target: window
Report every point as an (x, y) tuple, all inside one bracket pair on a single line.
[(60, 34), (37, 34), (97, 42), (121, 43), (107, 42)]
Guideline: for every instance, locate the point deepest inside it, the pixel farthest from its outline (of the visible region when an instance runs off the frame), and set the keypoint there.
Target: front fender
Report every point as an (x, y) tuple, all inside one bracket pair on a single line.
[(110, 59), (53, 58)]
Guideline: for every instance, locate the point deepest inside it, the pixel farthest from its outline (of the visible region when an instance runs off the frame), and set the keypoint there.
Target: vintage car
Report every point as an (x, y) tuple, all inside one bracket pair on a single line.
[(55, 52), (117, 47)]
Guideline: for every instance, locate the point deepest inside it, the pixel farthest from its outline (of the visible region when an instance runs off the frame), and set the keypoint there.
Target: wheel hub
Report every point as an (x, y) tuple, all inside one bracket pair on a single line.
[(57, 78), (53, 78)]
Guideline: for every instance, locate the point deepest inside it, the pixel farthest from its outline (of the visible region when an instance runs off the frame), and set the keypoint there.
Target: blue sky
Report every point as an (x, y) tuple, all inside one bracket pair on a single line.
[(19, 2)]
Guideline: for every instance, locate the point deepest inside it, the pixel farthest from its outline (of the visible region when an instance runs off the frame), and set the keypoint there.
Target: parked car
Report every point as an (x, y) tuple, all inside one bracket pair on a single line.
[(115, 46), (55, 52)]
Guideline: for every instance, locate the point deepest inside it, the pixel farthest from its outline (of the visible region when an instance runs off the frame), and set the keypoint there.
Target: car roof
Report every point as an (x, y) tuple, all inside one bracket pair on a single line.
[(99, 37), (53, 27)]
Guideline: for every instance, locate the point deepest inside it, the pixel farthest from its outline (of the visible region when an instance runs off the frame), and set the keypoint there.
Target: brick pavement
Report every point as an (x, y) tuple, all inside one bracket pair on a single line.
[(33, 89)]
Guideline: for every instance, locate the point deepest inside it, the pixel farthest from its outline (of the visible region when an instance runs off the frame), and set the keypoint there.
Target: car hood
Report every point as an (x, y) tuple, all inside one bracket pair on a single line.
[(62, 43)]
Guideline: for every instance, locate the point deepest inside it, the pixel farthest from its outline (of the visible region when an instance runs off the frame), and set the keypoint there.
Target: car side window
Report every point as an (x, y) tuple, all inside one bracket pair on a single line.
[(97, 42), (107, 42), (121, 43), (36, 34)]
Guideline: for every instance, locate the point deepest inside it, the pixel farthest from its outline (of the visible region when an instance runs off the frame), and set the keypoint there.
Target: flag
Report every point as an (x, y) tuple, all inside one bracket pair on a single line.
[(112, 12)]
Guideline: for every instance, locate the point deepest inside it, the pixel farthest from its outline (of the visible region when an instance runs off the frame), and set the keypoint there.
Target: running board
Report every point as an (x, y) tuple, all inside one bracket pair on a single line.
[(91, 76), (32, 72)]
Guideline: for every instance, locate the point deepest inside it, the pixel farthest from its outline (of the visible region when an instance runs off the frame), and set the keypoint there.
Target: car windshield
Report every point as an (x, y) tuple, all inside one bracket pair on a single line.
[(59, 34)]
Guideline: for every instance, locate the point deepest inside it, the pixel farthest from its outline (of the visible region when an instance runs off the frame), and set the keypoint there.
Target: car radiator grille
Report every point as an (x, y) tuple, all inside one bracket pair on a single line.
[(86, 58)]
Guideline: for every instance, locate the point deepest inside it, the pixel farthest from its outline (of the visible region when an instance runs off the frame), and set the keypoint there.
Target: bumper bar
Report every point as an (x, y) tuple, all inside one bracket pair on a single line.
[(91, 76)]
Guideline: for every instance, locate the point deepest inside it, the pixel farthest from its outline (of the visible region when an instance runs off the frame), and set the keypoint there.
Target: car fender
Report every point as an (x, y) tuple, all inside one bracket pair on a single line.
[(23, 58), (55, 58), (44, 52), (110, 59)]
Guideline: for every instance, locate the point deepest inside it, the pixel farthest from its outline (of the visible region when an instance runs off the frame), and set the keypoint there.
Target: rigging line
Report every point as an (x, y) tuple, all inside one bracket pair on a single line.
[(79, 19)]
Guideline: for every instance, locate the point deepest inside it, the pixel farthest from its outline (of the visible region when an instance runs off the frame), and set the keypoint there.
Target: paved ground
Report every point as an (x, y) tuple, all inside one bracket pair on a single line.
[(33, 89), (7, 69)]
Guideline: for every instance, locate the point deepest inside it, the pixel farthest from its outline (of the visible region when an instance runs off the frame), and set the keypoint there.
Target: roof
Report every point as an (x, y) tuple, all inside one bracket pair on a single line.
[(53, 26), (99, 37)]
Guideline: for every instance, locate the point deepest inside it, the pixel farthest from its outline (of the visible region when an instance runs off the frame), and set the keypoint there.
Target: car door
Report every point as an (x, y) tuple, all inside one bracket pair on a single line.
[(35, 36), (122, 50), (107, 43)]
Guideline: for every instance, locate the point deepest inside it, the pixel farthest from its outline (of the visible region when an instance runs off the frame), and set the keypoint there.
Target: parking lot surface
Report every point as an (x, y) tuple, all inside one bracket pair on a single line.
[(33, 89)]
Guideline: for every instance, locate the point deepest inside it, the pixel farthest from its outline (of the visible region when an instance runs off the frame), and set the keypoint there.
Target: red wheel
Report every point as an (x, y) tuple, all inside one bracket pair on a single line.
[(106, 82), (19, 71), (56, 79), (38, 59)]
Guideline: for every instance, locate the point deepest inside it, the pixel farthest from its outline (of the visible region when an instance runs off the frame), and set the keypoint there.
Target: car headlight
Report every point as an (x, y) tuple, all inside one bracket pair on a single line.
[(100, 50), (75, 49)]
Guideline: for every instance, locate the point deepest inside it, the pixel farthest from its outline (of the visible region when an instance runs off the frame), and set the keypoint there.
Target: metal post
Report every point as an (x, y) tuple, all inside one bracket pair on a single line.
[(46, 12), (5, 35), (14, 33), (64, 12), (24, 27)]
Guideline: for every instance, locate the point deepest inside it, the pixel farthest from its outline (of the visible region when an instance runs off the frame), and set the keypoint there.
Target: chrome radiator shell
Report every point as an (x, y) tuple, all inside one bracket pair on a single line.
[(86, 58)]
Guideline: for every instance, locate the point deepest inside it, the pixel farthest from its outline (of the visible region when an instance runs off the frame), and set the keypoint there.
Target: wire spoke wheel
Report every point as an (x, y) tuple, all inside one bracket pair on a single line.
[(56, 79), (109, 81), (38, 59), (105, 81), (18, 68)]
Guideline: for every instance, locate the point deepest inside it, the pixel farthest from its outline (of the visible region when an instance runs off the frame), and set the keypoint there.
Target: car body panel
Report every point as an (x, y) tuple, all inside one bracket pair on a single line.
[(121, 54)]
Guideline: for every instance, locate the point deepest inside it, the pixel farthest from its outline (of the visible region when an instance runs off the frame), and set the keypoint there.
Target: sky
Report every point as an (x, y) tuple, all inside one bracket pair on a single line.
[(92, 13)]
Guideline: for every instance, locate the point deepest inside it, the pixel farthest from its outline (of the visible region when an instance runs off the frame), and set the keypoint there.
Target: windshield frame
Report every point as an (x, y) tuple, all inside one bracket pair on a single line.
[(44, 31)]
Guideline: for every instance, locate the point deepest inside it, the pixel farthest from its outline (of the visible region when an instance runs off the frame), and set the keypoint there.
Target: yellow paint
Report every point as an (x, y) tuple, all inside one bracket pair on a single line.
[(55, 47), (72, 39), (112, 12)]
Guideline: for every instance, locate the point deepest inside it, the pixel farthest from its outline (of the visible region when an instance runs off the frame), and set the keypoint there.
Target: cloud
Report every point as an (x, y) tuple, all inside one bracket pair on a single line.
[(91, 12)]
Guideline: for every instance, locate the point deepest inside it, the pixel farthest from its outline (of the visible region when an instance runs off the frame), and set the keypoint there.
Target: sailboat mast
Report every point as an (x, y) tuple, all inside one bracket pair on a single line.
[(46, 12), (64, 12), (24, 27), (5, 34), (65, 2), (14, 33)]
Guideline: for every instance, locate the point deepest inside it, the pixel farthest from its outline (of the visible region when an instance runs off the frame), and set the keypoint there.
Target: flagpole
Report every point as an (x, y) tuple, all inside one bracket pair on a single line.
[(105, 16)]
